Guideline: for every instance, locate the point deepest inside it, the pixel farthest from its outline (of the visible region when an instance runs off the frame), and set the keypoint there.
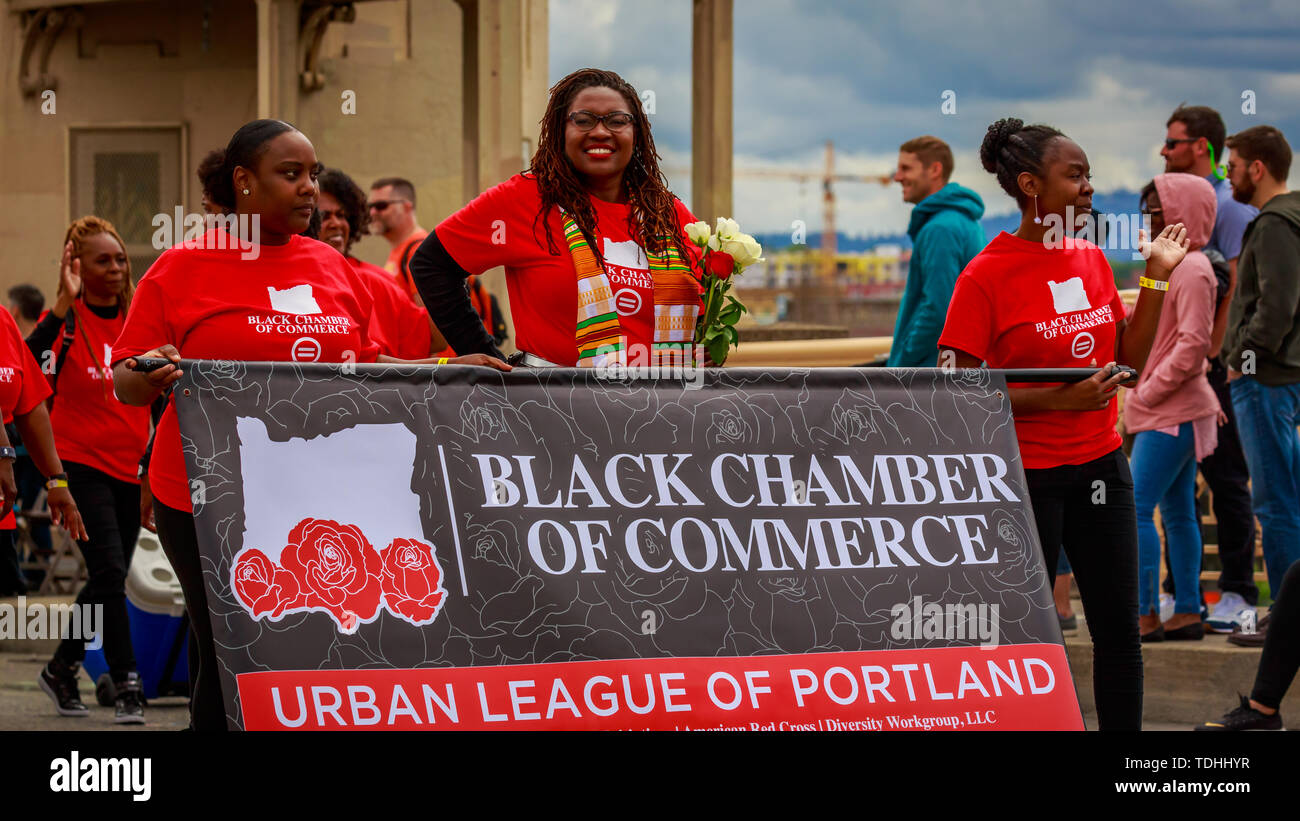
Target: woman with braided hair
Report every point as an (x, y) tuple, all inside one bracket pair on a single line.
[(1040, 298), (598, 267), (100, 441)]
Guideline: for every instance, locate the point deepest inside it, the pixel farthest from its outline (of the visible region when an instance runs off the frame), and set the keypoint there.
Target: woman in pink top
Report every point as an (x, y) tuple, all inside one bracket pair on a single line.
[(1174, 412)]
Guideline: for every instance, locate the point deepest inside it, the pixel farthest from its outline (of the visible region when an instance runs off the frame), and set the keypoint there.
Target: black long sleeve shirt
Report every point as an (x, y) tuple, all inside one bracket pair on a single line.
[(441, 283)]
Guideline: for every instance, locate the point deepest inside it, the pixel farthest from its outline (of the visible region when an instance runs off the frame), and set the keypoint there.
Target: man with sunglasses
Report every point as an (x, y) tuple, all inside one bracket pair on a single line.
[(1195, 144), (392, 215)]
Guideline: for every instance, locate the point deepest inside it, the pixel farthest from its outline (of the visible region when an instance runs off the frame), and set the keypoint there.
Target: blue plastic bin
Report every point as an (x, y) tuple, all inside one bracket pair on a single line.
[(155, 606)]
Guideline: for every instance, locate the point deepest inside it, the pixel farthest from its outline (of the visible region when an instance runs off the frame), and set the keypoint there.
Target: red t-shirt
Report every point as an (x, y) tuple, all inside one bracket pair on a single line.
[(1020, 304), (91, 426), (497, 228), (22, 385), (297, 302), (400, 327)]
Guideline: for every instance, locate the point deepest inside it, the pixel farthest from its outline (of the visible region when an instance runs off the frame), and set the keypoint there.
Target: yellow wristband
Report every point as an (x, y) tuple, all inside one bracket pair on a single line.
[(1153, 284), (442, 360), (56, 483)]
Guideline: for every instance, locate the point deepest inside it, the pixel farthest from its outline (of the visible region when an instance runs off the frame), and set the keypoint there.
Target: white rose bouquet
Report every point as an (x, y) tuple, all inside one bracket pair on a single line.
[(727, 253)]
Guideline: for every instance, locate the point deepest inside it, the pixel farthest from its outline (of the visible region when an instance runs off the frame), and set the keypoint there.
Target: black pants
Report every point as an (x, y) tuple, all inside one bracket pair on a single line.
[(181, 544), (110, 509), (12, 581), (1089, 510), (1281, 656), (1226, 474)]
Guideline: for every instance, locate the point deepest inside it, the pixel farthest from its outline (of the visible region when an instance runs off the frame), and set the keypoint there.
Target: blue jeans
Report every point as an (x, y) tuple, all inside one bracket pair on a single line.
[(1164, 473), (1266, 419)]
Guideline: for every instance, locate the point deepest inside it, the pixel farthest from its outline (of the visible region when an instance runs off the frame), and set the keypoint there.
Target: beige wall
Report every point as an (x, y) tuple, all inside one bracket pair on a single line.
[(408, 104), (142, 62), (133, 62)]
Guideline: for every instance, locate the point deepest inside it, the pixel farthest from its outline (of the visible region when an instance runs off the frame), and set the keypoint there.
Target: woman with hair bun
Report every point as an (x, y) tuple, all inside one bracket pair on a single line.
[(101, 441), (197, 301), (1039, 298)]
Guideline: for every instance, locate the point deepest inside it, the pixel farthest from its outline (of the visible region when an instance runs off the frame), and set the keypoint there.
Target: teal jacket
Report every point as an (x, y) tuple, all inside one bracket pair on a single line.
[(946, 234)]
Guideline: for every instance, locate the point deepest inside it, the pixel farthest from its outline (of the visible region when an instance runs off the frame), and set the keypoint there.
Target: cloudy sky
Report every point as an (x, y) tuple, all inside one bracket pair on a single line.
[(871, 75)]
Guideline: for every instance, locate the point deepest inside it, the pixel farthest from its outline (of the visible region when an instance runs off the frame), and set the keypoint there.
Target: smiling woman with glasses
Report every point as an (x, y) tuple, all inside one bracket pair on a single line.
[(593, 242)]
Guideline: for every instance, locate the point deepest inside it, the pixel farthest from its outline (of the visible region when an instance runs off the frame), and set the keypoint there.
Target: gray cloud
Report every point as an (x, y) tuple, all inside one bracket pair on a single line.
[(870, 76)]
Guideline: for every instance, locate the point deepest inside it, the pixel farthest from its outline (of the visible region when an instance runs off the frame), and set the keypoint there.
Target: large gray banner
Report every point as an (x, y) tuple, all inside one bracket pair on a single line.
[(424, 522)]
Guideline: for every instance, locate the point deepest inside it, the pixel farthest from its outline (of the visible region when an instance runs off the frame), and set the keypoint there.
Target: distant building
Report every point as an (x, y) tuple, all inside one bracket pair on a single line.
[(860, 291)]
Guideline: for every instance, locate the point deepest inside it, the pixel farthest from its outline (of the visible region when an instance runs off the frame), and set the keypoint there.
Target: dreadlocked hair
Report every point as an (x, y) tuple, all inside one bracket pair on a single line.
[(83, 229), (1011, 148), (652, 215)]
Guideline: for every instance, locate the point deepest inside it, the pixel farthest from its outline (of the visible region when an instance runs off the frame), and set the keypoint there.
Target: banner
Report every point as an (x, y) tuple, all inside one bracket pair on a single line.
[(456, 548)]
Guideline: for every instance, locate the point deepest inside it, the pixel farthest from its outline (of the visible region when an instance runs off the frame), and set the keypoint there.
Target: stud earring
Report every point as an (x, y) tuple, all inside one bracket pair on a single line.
[(1035, 203), (1037, 220)]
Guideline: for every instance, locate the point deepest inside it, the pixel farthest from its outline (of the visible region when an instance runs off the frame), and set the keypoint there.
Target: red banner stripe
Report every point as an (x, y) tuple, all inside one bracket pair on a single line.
[(1012, 687)]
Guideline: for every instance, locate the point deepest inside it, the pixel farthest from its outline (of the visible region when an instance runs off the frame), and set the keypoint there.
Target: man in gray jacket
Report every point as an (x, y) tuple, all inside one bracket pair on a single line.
[(1262, 344)]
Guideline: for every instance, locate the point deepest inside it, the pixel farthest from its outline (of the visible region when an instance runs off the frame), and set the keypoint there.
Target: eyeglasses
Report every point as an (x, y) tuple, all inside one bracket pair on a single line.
[(614, 121), (1172, 144), (381, 205)]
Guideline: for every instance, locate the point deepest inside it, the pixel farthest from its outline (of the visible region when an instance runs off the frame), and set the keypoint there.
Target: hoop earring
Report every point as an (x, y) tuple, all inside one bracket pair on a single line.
[(1037, 220)]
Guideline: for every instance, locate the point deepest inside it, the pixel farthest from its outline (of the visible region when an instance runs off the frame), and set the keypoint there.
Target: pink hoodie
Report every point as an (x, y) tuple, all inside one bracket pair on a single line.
[(1173, 388)]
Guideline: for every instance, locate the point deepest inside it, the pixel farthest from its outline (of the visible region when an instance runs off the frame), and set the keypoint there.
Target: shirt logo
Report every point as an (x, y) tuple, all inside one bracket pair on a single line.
[(305, 349), (1069, 296), (627, 265), (1082, 345), (295, 300), (628, 302)]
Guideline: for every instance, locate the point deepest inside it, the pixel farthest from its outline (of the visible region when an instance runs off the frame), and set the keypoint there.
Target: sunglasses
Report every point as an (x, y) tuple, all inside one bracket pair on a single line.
[(382, 205), (1172, 144)]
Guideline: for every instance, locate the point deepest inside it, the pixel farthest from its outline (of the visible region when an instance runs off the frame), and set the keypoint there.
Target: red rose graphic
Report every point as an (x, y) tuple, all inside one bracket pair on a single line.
[(262, 587), (336, 570), (412, 581)]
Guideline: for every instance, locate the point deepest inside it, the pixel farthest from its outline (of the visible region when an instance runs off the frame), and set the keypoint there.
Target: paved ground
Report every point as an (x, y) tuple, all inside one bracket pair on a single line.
[(23, 706)]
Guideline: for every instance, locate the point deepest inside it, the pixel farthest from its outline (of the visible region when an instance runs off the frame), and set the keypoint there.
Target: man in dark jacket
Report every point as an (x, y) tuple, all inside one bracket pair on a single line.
[(946, 234), (1262, 344)]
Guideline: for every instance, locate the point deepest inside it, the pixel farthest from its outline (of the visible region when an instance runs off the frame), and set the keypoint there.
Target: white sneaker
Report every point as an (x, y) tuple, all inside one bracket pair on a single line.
[(1166, 607), (1226, 615)]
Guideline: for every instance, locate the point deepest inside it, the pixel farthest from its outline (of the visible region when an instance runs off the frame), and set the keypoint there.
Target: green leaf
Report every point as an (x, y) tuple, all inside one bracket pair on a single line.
[(718, 349), (733, 335)]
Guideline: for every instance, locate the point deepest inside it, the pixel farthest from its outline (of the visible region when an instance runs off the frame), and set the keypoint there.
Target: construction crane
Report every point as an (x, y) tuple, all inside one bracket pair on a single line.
[(820, 299), (828, 177)]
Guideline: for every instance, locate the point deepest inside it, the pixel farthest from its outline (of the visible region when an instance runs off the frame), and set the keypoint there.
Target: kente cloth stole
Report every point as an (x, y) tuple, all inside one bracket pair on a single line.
[(600, 337)]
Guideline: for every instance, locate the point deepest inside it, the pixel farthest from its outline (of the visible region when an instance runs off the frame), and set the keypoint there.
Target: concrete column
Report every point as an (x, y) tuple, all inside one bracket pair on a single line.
[(505, 55), (504, 48), (277, 59), (711, 102)]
